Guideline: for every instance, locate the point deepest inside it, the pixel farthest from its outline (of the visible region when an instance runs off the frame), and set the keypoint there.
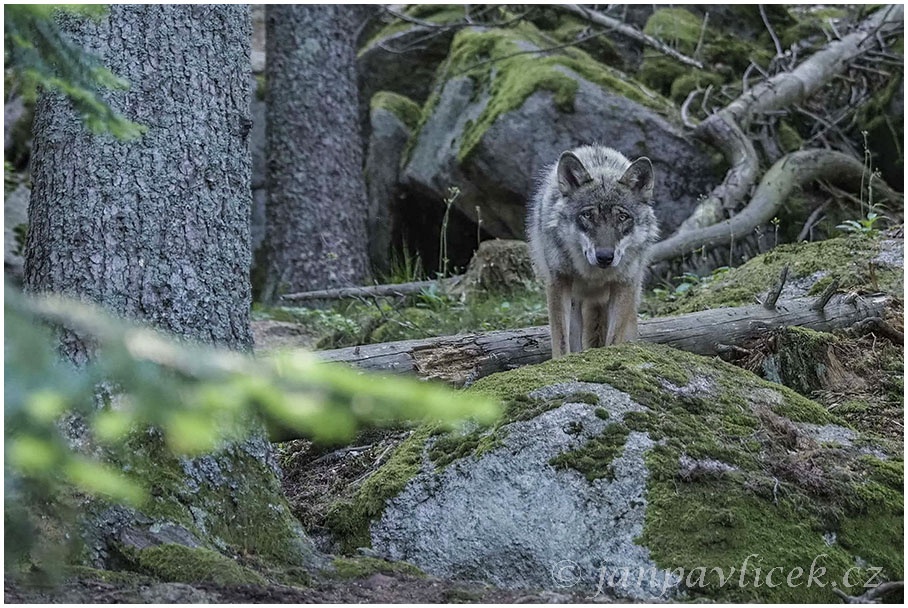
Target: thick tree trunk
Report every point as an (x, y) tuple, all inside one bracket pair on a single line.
[(316, 214), (465, 358), (155, 229), (158, 230)]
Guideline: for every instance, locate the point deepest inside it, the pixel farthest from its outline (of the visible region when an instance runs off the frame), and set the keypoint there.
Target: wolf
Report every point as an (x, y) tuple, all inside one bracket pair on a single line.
[(590, 225)]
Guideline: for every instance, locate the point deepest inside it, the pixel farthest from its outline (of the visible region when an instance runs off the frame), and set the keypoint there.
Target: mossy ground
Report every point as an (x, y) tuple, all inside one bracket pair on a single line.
[(359, 567), (847, 259), (179, 564)]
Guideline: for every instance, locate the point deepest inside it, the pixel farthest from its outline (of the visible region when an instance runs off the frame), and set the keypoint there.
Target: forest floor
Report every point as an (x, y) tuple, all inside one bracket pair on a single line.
[(392, 588)]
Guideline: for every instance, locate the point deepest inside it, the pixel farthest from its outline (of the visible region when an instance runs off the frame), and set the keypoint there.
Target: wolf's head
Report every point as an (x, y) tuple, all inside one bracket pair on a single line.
[(609, 206)]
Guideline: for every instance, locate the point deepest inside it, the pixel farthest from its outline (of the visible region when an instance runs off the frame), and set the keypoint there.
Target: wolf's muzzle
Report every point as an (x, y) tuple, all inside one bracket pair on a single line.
[(605, 257)]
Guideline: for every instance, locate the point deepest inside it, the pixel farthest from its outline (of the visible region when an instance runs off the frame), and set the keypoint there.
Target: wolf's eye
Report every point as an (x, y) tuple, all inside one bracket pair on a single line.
[(587, 215), (623, 217)]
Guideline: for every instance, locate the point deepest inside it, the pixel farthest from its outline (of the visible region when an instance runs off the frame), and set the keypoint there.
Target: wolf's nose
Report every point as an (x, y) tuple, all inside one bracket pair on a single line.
[(604, 257)]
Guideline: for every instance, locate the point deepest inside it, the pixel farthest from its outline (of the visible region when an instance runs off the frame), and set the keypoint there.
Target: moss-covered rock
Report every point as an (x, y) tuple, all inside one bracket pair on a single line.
[(402, 107), (217, 506), (503, 107), (180, 564), (406, 73), (697, 465), (858, 262)]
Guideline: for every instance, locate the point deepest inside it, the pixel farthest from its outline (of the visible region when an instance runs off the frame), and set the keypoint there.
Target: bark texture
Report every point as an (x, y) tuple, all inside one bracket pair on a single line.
[(158, 230), (155, 229), (463, 359), (316, 216)]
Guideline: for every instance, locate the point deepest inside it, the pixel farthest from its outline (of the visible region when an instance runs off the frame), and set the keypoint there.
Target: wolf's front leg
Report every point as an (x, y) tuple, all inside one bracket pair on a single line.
[(558, 296), (621, 314), (593, 324)]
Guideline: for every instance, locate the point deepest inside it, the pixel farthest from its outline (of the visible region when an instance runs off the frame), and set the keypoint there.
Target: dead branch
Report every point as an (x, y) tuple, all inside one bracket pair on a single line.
[(773, 296), (629, 31), (872, 595), (827, 294), (464, 358), (786, 88), (793, 170), (725, 129), (371, 291)]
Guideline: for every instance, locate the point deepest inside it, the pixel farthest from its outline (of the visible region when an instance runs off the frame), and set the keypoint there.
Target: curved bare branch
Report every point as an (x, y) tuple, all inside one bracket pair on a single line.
[(791, 171)]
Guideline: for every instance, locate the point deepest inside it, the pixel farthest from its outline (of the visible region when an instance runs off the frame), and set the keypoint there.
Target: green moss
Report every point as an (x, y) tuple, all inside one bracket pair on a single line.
[(677, 27), (717, 524), (246, 513), (454, 446), (789, 138), (360, 567), (595, 458), (582, 397), (690, 80), (493, 59), (180, 564), (349, 519), (402, 107), (846, 258)]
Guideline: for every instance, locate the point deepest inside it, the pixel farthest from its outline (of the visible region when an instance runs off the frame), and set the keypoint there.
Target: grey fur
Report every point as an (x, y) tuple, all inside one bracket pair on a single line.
[(590, 227)]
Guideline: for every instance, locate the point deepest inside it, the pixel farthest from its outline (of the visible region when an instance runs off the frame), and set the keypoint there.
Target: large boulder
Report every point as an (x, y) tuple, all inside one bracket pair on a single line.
[(641, 472), (490, 127)]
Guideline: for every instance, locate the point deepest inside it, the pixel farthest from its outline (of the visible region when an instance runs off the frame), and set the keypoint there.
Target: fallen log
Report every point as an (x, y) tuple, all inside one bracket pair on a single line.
[(462, 359), (370, 291)]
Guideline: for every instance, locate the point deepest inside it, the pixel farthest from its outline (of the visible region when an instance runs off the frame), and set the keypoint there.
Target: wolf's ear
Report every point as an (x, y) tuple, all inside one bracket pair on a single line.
[(571, 173), (639, 177)]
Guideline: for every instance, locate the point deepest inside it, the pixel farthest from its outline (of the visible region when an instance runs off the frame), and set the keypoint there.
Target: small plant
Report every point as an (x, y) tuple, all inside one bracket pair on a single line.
[(405, 267), (864, 226), (689, 280), (443, 260)]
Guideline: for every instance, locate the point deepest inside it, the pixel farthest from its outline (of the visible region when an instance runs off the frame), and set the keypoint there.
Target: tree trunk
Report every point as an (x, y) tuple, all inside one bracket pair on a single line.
[(316, 215), (155, 229), (158, 230), (465, 358)]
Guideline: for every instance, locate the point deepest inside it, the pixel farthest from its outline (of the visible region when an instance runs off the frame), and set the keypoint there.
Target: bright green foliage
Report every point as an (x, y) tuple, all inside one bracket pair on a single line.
[(200, 399), (41, 57)]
